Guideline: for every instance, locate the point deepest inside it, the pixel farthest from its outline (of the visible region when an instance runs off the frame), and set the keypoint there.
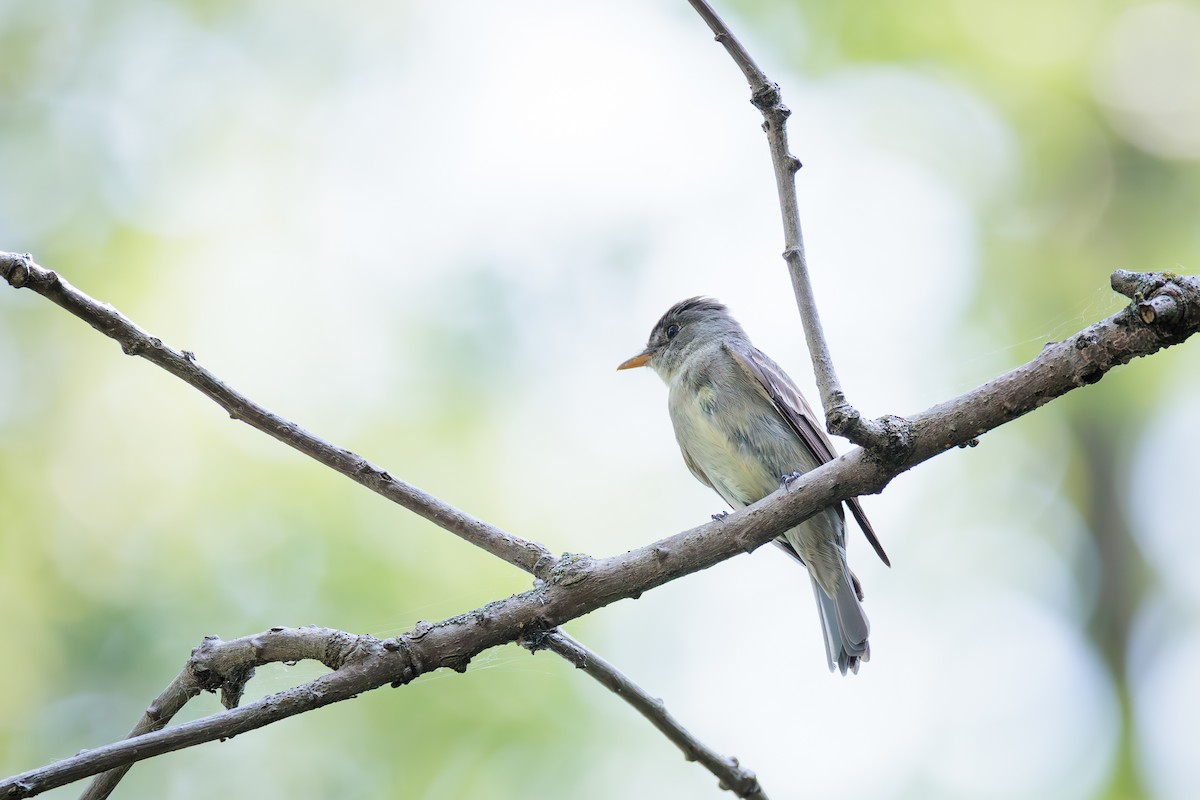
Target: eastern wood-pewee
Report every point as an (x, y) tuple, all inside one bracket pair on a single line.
[(743, 427)]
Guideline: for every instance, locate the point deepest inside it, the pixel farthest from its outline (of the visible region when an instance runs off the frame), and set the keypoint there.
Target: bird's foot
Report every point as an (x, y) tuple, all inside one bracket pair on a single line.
[(720, 515), (790, 478)]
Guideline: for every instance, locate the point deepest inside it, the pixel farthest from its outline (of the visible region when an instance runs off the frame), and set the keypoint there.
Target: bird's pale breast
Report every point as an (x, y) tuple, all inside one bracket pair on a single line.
[(735, 438)]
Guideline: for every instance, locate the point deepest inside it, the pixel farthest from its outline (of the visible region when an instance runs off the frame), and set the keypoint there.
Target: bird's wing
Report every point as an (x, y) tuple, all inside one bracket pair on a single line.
[(798, 414), (695, 469)]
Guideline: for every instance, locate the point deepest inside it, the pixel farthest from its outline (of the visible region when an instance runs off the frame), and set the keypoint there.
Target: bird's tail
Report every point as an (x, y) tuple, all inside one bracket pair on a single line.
[(844, 624)]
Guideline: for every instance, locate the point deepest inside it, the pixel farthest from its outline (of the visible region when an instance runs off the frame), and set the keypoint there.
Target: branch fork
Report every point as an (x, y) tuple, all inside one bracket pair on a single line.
[(884, 437)]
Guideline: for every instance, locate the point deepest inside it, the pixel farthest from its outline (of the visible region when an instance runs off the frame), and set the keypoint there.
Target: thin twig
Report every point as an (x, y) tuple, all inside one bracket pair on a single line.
[(530, 556), (841, 417), (732, 775), (577, 585)]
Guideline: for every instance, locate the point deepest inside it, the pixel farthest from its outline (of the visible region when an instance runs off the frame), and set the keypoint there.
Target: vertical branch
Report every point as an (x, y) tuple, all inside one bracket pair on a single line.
[(841, 417)]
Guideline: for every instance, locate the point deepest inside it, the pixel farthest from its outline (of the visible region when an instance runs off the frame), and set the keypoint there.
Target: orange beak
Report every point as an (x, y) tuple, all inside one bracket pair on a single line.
[(637, 361)]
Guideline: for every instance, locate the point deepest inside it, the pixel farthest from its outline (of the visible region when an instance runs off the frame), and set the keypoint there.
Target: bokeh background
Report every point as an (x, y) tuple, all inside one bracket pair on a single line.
[(430, 231)]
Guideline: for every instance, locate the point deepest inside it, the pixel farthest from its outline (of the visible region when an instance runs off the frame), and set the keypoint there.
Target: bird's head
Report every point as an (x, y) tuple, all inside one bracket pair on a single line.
[(686, 326)]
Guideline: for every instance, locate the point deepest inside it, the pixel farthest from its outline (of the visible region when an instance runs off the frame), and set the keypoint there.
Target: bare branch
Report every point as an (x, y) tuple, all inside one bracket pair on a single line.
[(841, 417), (21, 271), (154, 718), (577, 585), (228, 666), (733, 776)]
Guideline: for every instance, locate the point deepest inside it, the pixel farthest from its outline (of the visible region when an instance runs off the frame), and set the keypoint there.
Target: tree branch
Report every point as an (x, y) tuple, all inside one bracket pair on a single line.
[(578, 584), (841, 417), (228, 666), (733, 776), (21, 271), (154, 718)]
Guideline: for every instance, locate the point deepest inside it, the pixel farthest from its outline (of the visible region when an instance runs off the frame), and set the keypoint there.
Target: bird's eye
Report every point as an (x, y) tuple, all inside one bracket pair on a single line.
[(672, 330)]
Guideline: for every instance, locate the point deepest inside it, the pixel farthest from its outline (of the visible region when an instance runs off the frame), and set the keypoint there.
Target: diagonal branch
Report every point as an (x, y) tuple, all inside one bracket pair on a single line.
[(841, 417), (170, 702), (21, 271), (227, 666), (733, 775), (1165, 312)]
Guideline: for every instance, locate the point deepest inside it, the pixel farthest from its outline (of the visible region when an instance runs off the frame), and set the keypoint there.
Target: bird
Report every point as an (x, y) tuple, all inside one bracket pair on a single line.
[(743, 429)]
